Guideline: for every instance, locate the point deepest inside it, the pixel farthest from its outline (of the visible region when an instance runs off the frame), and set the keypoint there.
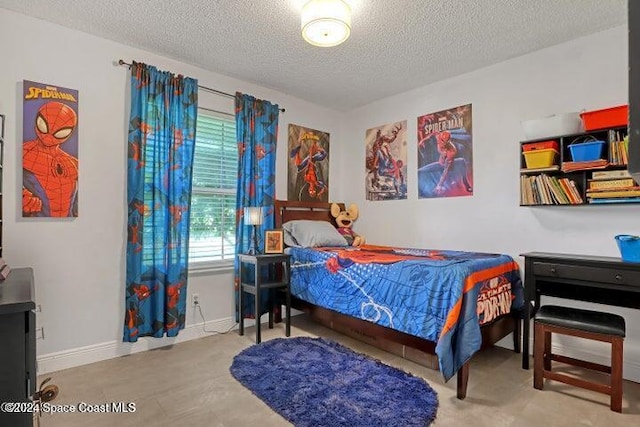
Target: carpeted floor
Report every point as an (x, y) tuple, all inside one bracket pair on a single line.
[(315, 382), (189, 384)]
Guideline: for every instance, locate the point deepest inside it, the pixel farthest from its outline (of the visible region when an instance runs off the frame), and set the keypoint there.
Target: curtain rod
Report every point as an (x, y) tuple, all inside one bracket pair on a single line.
[(216, 111), (208, 89)]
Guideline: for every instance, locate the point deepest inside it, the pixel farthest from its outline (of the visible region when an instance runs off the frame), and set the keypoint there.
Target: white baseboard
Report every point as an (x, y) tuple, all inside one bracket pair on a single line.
[(108, 350)]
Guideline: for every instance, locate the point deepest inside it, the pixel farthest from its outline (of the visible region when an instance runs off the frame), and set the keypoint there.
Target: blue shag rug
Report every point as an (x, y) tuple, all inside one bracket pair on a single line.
[(317, 382)]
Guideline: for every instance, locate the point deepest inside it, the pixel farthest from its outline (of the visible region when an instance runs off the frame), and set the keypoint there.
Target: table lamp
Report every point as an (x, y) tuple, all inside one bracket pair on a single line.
[(253, 217)]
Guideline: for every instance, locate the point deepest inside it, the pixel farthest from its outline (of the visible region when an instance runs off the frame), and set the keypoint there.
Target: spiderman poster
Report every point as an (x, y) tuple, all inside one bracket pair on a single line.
[(308, 177), (386, 162), (445, 161), (49, 151)]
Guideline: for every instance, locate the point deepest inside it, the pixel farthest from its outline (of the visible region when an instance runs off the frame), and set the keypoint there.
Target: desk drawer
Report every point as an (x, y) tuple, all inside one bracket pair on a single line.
[(588, 274)]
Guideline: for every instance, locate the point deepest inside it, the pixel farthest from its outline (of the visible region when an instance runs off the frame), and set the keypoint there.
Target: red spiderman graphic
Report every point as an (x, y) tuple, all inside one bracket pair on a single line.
[(307, 166), (173, 294), (131, 319), (172, 298), (176, 212), (50, 180), (143, 291)]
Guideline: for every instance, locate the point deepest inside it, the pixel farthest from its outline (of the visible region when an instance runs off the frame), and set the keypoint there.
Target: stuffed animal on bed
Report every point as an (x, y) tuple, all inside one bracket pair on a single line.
[(344, 220)]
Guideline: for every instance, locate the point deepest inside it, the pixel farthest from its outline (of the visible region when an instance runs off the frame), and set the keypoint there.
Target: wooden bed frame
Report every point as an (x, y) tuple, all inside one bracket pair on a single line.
[(401, 344)]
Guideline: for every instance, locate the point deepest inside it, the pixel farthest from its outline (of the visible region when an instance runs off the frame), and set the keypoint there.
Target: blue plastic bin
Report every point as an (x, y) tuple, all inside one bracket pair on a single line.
[(629, 247), (586, 151)]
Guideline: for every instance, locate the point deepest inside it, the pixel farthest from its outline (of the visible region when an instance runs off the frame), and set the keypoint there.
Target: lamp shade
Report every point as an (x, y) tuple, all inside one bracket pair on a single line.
[(326, 23), (253, 215)]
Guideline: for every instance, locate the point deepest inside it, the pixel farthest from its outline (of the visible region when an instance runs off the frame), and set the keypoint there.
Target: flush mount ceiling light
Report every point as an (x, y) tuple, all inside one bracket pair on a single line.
[(326, 23)]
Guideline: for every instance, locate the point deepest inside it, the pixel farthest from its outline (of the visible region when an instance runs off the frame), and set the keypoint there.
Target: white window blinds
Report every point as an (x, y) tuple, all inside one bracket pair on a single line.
[(213, 199)]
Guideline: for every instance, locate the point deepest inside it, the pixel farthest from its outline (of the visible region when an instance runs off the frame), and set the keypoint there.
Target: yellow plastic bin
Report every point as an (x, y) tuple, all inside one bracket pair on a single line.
[(540, 158)]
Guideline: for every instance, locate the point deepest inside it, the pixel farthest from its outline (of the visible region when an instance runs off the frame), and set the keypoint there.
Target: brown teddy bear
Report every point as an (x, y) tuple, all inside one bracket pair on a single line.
[(344, 220)]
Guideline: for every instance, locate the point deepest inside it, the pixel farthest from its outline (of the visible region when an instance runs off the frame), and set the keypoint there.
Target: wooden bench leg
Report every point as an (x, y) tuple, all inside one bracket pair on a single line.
[(616, 374), (462, 378), (538, 356), (547, 351)]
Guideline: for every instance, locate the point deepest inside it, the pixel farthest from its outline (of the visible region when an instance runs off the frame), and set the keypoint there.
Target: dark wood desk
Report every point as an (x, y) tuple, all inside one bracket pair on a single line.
[(604, 280)]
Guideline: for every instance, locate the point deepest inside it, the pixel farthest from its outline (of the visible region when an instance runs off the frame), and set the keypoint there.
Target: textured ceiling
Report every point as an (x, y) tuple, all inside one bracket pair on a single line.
[(395, 45)]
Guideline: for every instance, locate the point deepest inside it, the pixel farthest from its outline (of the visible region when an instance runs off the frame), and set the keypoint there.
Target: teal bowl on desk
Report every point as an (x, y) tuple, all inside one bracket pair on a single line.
[(629, 247)]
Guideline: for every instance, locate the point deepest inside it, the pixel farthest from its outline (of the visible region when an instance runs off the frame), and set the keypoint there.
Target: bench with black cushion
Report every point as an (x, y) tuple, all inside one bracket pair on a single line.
[(587, 324)]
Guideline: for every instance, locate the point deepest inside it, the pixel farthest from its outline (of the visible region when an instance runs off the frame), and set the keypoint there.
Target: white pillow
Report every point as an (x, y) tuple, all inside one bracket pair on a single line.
[(309, 234)]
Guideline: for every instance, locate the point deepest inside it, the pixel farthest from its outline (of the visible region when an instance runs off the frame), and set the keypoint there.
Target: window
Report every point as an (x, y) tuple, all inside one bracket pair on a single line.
[(213, 194)]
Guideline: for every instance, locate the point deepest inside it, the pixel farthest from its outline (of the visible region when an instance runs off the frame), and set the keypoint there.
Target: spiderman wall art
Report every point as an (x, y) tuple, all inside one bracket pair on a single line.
[(308, 167), (49, 151), (386, 162), (445, 153)]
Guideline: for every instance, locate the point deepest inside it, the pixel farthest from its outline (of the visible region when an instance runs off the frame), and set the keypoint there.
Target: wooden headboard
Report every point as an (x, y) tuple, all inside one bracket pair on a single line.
[(317, 211)]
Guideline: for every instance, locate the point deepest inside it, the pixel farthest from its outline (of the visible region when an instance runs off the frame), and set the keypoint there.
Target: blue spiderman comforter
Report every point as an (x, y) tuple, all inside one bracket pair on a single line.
[(441, 296)]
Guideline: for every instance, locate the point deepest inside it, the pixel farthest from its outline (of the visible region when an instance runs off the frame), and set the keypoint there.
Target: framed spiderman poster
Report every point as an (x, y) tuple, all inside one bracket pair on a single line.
[(308, 177), (445, 148), (49, 151), (386, 162)]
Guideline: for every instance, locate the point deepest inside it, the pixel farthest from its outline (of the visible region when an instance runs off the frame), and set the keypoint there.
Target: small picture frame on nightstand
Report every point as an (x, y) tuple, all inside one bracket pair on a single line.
[(273, 242)]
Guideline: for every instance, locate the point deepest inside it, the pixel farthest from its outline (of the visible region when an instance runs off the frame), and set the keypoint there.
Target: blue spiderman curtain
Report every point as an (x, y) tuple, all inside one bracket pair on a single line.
[(257, 134), (162, 132)]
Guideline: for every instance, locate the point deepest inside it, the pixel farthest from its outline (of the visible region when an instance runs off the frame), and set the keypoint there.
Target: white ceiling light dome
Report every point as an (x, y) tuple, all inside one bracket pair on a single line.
[(326, 23)]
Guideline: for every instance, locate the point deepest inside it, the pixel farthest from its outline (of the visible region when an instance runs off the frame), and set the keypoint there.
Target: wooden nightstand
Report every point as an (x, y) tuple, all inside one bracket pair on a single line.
[(276, 263)]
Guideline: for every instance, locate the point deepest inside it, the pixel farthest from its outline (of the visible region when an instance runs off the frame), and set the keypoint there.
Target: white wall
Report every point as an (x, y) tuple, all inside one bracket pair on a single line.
[(588, 73), (79, 263)]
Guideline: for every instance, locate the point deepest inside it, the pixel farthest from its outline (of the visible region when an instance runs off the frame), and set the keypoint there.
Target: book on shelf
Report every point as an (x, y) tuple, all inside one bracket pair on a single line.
[(614, 194), (623, 173), (609, 190), (538, 191), (576, 194), (552, 168), (544, 190), (529, 200), (616, 200), (556, 190), (566, 188), (599, 184), (579, 166), (525, 197), (564, 198), (532, 198), (535, 191), (548, 190), (523, 191), (618, 154), (527, 192)]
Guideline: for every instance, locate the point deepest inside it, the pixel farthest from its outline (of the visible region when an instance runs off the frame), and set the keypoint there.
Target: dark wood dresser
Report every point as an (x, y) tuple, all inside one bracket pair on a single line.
[(17, 345)]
